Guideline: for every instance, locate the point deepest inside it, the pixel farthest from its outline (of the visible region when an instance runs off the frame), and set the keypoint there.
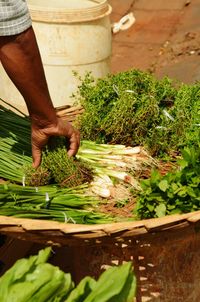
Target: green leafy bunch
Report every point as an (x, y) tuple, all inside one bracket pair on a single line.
[(176, 192), (135, 108), (58, 168), (36, 177), (180, 125), (186, 109), (122, 108), (34, 280), (68, 205), (65, 170)]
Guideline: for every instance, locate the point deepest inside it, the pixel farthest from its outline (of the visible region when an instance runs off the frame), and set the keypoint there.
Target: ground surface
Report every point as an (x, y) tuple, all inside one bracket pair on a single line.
[(165, 38)]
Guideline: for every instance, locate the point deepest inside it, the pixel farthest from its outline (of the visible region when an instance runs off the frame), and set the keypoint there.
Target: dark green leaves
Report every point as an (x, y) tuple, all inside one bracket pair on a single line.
[(176, 192), (163, 185)]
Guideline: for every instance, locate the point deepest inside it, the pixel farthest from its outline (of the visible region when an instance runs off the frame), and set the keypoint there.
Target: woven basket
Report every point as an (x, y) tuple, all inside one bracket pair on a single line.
[(164, 251), (62, 234), (69, 113)]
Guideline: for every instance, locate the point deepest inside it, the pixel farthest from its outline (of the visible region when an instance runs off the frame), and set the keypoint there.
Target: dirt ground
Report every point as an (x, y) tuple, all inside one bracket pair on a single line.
[(164, 39)]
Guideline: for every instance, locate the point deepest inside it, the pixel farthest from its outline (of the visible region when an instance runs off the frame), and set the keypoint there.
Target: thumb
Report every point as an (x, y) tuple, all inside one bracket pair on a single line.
[(37, 156)]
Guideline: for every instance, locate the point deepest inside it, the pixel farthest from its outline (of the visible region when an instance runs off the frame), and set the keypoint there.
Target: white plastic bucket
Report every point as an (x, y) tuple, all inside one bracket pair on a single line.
[(73, 35)]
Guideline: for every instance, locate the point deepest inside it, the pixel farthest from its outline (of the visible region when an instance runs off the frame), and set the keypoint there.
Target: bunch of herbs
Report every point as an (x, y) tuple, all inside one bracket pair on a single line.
[(134, 108)]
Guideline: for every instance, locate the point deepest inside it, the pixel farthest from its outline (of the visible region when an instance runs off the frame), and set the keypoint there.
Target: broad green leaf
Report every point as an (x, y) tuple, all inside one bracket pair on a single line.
[(128, 292), (160, 210), (183, 163), (82, 290), (182, 191), (163, 185), (43, 255), (133, 288), (155, 176), (170, 194), (174, 186), (150, 207), (110, 283), (24, 290), (19, 271), (186, 154), (171, 207), (64, 290), (53, 287), (176, 211), (191, 192)]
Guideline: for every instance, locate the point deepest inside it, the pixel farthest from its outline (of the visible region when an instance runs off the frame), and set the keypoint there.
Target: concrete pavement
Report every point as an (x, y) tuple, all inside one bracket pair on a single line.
[(164, 40)]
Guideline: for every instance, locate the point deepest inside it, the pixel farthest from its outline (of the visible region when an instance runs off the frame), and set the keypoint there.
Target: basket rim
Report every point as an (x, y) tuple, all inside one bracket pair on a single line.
[(49, 231)]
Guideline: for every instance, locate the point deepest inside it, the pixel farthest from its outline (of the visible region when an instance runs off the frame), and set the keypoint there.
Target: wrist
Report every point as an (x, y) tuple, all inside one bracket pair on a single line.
[(44, 120)]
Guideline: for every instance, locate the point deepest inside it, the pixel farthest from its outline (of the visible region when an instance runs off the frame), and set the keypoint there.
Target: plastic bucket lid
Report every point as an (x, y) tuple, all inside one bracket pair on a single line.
[(68, 11)]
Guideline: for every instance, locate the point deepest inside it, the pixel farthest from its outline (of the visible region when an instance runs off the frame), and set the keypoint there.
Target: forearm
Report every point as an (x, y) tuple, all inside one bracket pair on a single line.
[(21, 59)]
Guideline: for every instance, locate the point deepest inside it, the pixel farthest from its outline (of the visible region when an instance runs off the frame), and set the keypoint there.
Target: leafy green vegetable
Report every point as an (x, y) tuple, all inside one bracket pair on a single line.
[(176, 192), (35, 280), (115, 284), (82, 290)]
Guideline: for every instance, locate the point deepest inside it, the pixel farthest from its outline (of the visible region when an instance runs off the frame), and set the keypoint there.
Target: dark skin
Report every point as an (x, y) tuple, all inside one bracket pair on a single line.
[(20, 57)]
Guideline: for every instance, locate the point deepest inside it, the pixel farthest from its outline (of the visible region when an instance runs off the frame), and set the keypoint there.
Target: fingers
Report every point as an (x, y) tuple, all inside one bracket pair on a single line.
[(74, 143), (40, 138), (37, 156)]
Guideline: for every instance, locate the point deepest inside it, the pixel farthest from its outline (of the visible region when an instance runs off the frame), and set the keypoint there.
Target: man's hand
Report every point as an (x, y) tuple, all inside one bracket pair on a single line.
[(21, 59), (41, 135)]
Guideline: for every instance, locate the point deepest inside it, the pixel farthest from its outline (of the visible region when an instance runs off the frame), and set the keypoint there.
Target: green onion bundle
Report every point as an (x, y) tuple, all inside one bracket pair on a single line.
[(15, 144), (110, 164), (50, 202), (114, 161)]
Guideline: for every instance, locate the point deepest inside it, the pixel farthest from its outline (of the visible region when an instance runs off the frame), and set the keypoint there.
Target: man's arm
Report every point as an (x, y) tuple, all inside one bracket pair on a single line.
[(21, 59)]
